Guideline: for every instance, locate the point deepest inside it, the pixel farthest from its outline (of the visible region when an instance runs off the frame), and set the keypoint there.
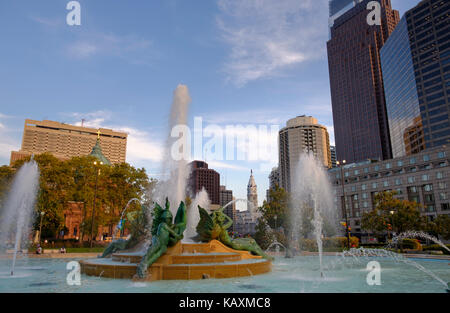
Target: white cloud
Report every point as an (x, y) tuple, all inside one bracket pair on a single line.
[(8, 142), (133, 49), (266, 37)]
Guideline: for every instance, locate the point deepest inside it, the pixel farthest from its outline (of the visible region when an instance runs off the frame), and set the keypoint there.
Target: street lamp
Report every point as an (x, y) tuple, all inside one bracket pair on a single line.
[(344, 204), (392, 222), (40, 226), (97, 173)]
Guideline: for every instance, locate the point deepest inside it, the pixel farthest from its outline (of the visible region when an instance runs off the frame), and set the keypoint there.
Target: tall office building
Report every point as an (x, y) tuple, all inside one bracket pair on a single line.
[(302, 134), (65, 141), (203, 177), (333, 156), (357, 93), (225, 197), (416, 72)]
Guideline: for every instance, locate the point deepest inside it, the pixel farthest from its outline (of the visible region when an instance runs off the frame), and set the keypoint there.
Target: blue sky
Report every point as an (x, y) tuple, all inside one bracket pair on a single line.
[(244, 62)]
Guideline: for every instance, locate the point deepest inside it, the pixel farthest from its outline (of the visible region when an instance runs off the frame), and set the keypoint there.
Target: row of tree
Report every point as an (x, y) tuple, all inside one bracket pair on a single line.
[(81, 179)]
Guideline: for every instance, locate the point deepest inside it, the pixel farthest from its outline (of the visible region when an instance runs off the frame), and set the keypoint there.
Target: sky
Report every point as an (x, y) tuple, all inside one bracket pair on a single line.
[(245, 62)]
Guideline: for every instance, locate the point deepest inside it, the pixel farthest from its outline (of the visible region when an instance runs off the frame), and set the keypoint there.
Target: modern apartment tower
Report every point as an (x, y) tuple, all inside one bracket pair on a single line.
[(225, 197), (65, 141), (416, 73), (357, 93), (302, 134)]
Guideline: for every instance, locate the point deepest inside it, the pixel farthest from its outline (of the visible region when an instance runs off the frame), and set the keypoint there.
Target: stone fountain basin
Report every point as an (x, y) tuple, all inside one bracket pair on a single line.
[(182, 262)]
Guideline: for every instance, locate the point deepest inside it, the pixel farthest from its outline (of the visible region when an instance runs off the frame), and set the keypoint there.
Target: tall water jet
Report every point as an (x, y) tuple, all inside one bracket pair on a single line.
[(193, 215), (311, 191), (16, 215), (175, 170)]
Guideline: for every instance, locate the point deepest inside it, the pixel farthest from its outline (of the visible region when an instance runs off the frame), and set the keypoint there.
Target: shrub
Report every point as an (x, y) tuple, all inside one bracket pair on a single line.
[(437, 248), (412, 244)]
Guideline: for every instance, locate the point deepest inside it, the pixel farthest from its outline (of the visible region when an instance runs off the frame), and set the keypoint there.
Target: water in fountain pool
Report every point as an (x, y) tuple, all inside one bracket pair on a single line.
[(299, 274)]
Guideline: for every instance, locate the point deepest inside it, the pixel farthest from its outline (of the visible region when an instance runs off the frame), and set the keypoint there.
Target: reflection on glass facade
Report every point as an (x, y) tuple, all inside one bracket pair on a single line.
[(402, 102), (416, 72)]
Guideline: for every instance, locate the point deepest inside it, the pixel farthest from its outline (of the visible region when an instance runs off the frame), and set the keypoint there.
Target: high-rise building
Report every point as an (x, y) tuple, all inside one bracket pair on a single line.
[(333, 156), (225, 197), (357, 93), (65, 141), (416, 73), (203, 177), (274, 180), (302, 134)]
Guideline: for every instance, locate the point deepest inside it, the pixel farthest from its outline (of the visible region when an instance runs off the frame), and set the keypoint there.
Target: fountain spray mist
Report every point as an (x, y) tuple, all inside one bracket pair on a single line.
[(311, 189), (16, 215), (175, 172), (193, 216)]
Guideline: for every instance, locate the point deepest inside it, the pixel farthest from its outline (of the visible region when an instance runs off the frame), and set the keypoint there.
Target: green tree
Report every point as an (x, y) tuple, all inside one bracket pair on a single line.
[(391, 214), (275, 214)]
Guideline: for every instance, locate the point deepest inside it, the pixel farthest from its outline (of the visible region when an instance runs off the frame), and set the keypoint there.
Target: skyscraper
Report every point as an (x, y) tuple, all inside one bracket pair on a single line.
[(333, 156), (302, 134), (226, 196), (203, 177), (357, 93), (416, 72)]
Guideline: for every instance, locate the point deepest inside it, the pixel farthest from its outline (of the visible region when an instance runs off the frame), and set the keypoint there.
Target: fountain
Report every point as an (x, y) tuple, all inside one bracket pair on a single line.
[(311, 189), (16, 216), (201, 199), (121, 220), (416, 234)]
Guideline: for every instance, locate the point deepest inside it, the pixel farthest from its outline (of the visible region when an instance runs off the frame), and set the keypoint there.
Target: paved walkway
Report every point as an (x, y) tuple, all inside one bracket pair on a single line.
[(53, 256)]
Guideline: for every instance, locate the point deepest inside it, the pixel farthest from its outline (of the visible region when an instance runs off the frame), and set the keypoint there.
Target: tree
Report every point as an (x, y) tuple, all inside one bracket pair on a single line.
[(275, 214), (391, 214)]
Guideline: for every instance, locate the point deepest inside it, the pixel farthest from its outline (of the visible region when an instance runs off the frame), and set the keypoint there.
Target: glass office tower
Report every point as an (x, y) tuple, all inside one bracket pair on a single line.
[(416, 72)]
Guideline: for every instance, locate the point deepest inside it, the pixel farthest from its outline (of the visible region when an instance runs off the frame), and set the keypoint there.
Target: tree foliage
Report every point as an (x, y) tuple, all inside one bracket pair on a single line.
[(392, 214), (77, 179)]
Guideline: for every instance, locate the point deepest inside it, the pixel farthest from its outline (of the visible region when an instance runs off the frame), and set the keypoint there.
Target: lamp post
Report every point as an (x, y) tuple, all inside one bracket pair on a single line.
[(344, 203), (40, 226), (97, 173), (392, 222)]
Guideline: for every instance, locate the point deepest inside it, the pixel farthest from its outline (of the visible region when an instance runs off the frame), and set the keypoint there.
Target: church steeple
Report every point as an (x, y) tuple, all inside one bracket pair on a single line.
[(97, 151)]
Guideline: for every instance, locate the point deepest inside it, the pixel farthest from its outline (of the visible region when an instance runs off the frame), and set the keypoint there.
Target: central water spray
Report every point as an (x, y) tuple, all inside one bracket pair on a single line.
[(311, 190), (175, 171), (17, 214)]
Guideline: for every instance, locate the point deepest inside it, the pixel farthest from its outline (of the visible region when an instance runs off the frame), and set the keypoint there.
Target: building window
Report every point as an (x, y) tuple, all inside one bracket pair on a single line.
[(399, 191), (441, 154), (411, 179), (388, 165), (386, 184), (398, 181), (442, 185), (443, 196), (399, 163), (363, 187), (426, 158), (428, 187), (445, 206), (439, 175), (364, 195), (425, 177), (377, 168), (412, 161), (412, 189), (374, 185)]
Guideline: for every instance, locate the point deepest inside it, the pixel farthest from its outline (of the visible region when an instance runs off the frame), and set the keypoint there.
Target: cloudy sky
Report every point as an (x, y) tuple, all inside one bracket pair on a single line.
[(245, 62)]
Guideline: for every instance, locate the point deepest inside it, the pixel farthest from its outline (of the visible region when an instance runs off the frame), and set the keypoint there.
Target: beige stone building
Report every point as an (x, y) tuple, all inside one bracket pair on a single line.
[(65, 141), (302, 134)]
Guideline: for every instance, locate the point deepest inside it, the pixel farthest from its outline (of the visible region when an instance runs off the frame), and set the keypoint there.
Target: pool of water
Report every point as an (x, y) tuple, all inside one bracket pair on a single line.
[(299, 274)]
